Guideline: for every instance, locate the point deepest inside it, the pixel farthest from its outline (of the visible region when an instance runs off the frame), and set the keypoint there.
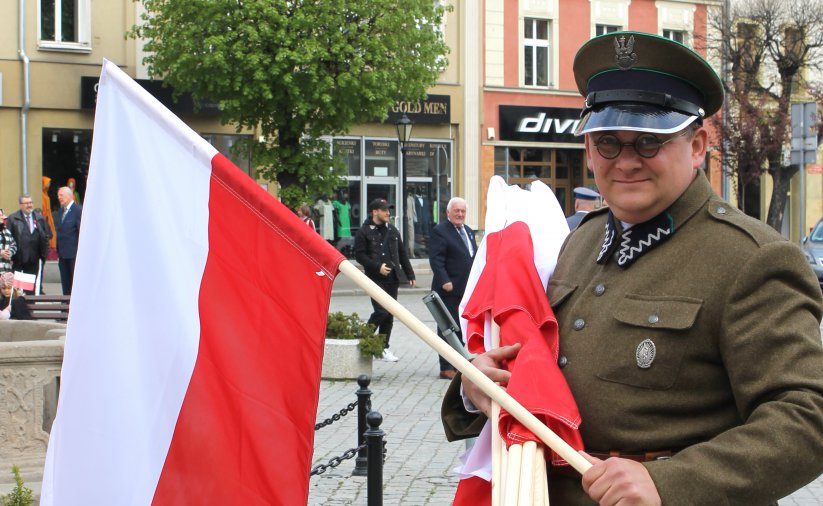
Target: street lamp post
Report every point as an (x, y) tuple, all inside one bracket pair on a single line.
[(404, 130)]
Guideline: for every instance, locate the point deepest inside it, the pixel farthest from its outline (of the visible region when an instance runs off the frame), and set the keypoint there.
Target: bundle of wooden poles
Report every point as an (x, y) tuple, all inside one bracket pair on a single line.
[(520, 484)]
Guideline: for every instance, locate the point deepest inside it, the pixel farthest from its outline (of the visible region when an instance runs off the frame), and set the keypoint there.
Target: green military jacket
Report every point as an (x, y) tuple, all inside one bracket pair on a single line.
[(735, 383)]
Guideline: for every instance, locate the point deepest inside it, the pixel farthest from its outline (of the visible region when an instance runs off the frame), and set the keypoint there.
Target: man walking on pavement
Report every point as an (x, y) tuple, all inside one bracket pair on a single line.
[(68, 234), (32, 236), (451, 252), (379, 249)]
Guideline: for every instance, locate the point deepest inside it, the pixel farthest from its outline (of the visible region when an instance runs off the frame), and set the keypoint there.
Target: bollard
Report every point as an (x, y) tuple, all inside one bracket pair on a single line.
[(363, 407), (374, 440)]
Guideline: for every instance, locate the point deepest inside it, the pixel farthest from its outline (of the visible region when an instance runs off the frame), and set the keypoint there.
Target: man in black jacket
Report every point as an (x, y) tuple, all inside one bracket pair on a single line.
[(379, 249), (32, 235)]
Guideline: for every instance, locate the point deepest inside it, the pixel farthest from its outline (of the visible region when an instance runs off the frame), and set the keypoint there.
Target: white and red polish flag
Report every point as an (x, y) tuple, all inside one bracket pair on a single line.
[(24, 281), (192, 363), (524, 233)]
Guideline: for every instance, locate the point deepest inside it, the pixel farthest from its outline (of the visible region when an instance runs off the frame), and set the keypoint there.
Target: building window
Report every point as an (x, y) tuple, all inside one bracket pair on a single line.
[(64, 24), (675, 35), (225, 143), (536, 52), (560, 169), (604, 29)]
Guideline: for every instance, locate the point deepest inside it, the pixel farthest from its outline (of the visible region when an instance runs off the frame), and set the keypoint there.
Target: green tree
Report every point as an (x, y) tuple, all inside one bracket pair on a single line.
[(296, 70)]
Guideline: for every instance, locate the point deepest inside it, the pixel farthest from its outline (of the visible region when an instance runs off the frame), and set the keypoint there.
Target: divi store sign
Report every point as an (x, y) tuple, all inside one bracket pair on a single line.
[(538, 124)]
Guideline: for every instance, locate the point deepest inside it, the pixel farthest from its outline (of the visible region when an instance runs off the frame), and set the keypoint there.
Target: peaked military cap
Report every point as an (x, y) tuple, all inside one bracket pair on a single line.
[(645, 83), (583, 193)]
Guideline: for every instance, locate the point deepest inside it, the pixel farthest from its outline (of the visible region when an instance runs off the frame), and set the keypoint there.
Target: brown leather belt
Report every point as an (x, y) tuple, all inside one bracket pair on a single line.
[(637, 457)]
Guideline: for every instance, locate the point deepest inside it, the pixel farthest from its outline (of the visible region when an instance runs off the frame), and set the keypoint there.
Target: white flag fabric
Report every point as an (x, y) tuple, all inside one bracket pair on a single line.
[(191, 370), (24, 281), (509, 208)]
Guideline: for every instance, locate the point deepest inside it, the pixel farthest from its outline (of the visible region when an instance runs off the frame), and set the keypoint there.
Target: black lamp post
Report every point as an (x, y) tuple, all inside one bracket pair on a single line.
[(404, 130)]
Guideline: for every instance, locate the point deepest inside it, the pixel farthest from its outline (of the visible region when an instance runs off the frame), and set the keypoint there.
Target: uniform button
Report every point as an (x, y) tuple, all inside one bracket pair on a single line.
[(653, 318), (579, 323), (600, 289), (562, 361), (721, 210)]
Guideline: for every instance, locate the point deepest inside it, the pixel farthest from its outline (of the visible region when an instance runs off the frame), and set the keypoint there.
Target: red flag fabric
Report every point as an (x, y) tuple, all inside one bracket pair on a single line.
[(473, 491), (510, 289), (524, 232), (193, 352)]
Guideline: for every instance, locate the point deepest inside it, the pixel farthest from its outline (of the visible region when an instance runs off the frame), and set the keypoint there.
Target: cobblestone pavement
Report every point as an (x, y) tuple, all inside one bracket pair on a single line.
[(407, 393)]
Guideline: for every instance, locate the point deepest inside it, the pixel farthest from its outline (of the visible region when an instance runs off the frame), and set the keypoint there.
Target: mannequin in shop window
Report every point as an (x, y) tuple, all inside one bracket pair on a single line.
[(47, 212), (345, 241), (324, 211), (423, 212), (72, 184), (411, 222)]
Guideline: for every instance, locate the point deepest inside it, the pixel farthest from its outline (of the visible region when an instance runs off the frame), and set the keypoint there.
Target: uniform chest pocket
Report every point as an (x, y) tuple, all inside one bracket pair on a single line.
[(558, 291), (649, 342)]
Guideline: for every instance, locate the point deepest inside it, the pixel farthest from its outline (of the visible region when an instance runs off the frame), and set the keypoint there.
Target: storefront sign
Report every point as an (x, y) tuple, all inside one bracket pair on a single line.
[(183, 104), (539, 124), (433, 110)]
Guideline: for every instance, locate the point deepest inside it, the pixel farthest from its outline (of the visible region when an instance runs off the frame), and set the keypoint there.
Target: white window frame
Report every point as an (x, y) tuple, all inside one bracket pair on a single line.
[(83, 42), (606, 28), (535, 44), (667, 33)]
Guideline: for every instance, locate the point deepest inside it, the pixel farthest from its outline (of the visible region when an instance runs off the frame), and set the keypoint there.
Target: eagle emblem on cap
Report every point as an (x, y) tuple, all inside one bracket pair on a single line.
[(624, 52)]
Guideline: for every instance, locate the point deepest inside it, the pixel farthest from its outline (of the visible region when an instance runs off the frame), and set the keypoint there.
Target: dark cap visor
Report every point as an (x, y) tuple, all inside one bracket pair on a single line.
[(634, 117)]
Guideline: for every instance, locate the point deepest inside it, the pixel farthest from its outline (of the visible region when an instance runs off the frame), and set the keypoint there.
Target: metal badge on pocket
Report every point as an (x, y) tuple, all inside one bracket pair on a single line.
[(645, 353)]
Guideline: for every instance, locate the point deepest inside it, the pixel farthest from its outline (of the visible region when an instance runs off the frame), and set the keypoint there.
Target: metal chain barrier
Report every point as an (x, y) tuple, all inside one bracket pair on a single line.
[(336, 461), (337, 416)]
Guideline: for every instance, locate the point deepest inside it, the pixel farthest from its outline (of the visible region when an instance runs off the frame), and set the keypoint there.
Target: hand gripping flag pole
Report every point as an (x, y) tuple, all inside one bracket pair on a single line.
[(494, 391)]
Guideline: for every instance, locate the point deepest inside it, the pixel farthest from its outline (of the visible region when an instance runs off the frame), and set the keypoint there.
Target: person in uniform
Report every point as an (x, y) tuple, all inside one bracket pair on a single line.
[(689, 332), (585, 201)]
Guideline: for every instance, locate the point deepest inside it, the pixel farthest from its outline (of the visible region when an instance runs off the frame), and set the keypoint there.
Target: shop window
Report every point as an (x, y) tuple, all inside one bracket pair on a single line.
[(381, 158), (604, 29), (560, 169), (226, 144), (66, 156), (64, 25), (348, 150), (536, 52)]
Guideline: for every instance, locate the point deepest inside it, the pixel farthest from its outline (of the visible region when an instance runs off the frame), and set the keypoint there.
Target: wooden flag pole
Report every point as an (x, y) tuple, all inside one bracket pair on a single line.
[(526, 495), (474, 375), (498, 447)]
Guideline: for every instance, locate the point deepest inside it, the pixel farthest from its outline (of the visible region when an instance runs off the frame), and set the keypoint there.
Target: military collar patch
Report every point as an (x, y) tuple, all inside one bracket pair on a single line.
[(633, 243), (624, 52)]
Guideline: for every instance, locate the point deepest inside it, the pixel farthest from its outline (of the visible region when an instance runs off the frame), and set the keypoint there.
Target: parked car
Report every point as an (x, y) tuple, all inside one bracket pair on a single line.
[(813, 248)]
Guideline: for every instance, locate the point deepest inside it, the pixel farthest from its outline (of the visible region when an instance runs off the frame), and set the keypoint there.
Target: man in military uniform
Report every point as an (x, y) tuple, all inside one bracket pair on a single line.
[(585, 201), (689, 332)]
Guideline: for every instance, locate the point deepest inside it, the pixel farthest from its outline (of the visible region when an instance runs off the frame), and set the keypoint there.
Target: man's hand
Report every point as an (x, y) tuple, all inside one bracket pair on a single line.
[(448, 287), (619, 481), (6, 253), (384, 270), (413, 283), (491, 364)]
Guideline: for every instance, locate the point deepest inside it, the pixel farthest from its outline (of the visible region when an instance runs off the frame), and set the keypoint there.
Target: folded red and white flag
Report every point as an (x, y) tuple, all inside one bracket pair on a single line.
[(24, 281), (192, 363), (524, 233)]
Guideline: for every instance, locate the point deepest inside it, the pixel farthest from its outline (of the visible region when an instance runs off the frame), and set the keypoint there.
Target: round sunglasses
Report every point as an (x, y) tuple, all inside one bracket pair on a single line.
[(645, 145)]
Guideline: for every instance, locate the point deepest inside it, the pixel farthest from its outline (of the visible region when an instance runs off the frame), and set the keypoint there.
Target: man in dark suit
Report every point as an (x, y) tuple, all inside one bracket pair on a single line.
[(32, 235), (68, 234), (451, 252), (585, 201)]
